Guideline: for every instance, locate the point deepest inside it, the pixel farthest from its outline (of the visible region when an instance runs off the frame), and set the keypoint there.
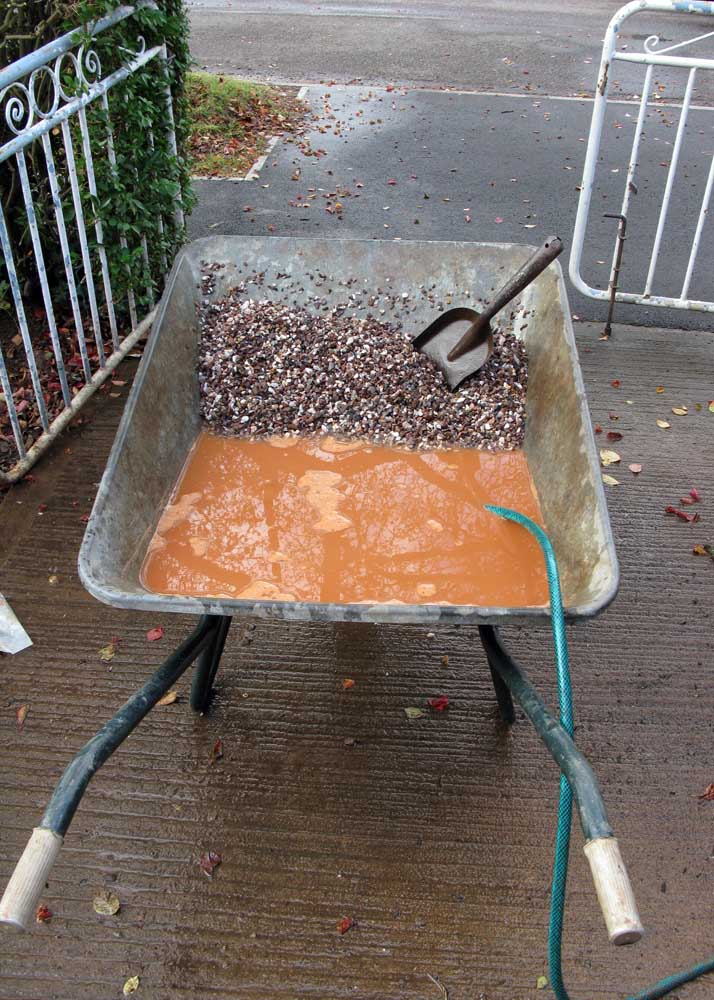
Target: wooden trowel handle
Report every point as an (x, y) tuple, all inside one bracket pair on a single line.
[(536, 263)]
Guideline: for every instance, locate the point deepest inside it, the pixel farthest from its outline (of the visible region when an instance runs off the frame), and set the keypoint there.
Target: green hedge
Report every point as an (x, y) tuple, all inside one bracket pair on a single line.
[(148, 182)]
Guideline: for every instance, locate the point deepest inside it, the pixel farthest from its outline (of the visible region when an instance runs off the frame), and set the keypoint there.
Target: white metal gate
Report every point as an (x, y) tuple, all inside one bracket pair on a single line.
[(652, 57), (61, 121)]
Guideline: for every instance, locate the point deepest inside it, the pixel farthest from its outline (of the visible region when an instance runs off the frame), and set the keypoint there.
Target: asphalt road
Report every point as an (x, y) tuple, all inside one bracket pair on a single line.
[(411, 164), (547, 47)]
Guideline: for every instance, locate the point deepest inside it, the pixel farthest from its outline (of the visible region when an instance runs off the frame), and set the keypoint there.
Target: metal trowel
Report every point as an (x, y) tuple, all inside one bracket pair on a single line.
[(460, 340)]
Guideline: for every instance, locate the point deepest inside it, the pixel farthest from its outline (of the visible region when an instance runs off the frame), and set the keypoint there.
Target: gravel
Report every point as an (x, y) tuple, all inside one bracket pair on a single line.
[(268, 368)]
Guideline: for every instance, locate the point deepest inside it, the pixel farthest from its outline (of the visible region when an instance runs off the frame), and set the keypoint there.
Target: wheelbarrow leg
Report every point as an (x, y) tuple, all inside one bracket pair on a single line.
[(503, 695), (207, 666), (19, 902)]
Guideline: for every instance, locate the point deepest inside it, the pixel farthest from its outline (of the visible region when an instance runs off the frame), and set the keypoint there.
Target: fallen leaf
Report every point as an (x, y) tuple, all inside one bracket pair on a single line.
[(701, 550), (217, 751), (610, 480), (209, 862), (695, 494), (635, 467), (615, 383), (541, 983), (345, 924), (663, 424), (43, 915), (391, 181), (130, 986), (614, 436), (21, 715), (598, 429), (608, 457), (106, 653), (679, 411), (169, 698), (414, 713), (445, 660), (53, 579), (707, 794), (348, 683), (711, 406), (106, 904), (439, 704), (155, 633), (660, 388)]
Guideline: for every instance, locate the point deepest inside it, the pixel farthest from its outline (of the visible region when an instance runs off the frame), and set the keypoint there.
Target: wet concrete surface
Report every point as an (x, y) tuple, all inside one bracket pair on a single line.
[(438, 166), (434, 835)]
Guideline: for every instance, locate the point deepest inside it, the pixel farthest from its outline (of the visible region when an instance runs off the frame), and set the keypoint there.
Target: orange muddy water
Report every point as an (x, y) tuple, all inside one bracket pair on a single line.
[(347, 522)]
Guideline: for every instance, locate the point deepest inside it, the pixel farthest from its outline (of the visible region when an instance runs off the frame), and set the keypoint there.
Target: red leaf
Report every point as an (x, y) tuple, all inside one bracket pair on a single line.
[(217, 751), (438, 704), (687, 501), (84, 518), (348, 683), (707, 794), (615, 383), (42, 508), (345, 924), (43, 915), (598, 429), (694, 494), (614, 436), (209, 862), (684, 516), (391, 181), (155, 633)]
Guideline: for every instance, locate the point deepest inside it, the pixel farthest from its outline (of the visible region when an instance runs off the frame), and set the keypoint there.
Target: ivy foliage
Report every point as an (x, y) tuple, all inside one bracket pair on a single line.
[(142, 180)]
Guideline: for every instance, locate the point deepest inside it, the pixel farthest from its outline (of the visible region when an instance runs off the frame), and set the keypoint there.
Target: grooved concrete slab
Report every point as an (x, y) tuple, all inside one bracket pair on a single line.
[(436, 835)]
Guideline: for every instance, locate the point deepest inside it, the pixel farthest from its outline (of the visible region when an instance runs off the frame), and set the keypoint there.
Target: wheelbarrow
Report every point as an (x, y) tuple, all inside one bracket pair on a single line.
[(161, 422)]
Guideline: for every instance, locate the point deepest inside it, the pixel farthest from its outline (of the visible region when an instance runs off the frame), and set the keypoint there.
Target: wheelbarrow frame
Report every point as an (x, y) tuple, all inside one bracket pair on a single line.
[(124, 517)]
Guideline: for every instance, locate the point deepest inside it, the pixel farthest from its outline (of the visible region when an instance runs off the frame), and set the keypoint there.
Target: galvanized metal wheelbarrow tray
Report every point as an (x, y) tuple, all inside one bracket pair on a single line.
[(161, 422)]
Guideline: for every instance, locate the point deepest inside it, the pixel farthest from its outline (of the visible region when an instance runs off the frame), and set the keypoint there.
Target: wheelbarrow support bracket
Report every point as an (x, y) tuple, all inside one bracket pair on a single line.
[(19, 902)]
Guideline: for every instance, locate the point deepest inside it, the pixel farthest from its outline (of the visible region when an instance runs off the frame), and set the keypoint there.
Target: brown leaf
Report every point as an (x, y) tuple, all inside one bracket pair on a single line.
[(169, 698), (209, 862), (707, 794), (345, 924), (348, 683), (614, 436), (21, 715), (660, 389), (43, 914)]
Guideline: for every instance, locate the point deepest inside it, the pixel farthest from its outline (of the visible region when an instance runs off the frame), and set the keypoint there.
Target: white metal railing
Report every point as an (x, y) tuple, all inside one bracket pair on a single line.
[(651, 57), (64, 114)]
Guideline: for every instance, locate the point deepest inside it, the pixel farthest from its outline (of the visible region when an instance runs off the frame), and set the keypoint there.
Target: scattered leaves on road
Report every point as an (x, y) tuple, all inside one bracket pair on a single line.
[(106, 903)]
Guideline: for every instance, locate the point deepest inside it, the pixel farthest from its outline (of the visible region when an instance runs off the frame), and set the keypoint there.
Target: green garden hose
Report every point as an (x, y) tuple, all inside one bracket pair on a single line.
[(562, 840)]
